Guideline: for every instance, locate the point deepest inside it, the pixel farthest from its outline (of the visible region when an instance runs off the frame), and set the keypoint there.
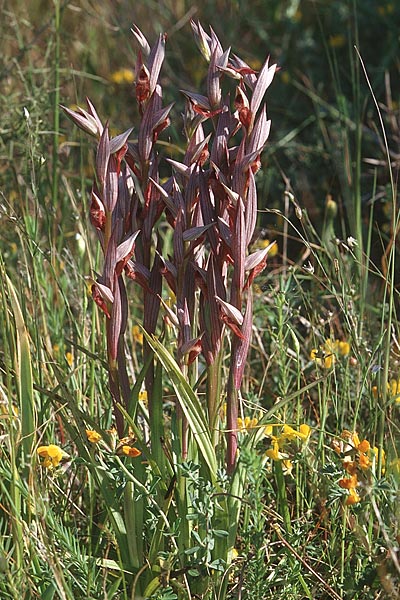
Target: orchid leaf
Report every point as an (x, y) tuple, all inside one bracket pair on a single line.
[(189, 403)]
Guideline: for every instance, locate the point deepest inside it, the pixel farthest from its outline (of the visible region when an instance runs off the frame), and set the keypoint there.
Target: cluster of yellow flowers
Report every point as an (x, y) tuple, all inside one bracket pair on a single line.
[(386, 9), (124, 446), (326, 355), (246, 424), (52, 455), (279, 434), (393, 388), (358, 457), (285, 435), (122, 77)]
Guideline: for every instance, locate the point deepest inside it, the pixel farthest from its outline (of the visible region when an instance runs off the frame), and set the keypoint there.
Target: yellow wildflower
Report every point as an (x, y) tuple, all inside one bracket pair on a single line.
[(260, 244), (291, 434), (352, 498), (394, 389), (327, 353), (122, 76), (287, 467), (363, 446), (357, 458), (130, 451), (125, 445), (321, 358), (337, 41), (343, 348), (385, 10), (304, 431), (69, 357), (246, 424), (143, 397), (275, 452), (51, 455), (93, 436), (354, 441), (348, 483), (288, 433), (352, 437), (364, 461), (137, 335), (350, 465), (268, 430)]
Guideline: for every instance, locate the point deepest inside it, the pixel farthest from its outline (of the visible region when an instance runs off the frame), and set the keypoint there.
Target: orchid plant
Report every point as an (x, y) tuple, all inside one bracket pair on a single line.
[(210, 204)]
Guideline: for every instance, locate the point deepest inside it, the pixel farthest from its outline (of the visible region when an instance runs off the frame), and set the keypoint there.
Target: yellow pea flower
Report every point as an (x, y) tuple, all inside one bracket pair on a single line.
[(268, 430), (364, 462), (290, 434), (246, 424), (93, 436), (304, 431), (143, 397), (344, 348), (129, 451), (51, 455), (349, 483), (275, 452), (364, 446), (287, 467), (137, 335), (352, 498), (394, 389), (327, 353)]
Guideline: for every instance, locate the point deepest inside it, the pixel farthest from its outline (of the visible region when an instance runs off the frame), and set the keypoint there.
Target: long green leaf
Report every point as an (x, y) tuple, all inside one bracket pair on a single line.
[(23, 373), (189, 403)]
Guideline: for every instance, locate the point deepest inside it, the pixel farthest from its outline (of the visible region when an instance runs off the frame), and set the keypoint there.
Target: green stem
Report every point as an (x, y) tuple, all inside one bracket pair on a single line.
[(283, 507), (343, 546), (214, 396), (56, 121)]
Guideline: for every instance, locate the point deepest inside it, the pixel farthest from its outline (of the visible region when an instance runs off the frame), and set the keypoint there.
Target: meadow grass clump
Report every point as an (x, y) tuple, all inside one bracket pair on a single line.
[(187, 412)]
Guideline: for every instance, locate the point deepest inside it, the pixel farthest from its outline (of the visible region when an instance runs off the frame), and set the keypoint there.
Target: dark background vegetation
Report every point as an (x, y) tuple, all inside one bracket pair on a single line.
[(324, 124)]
